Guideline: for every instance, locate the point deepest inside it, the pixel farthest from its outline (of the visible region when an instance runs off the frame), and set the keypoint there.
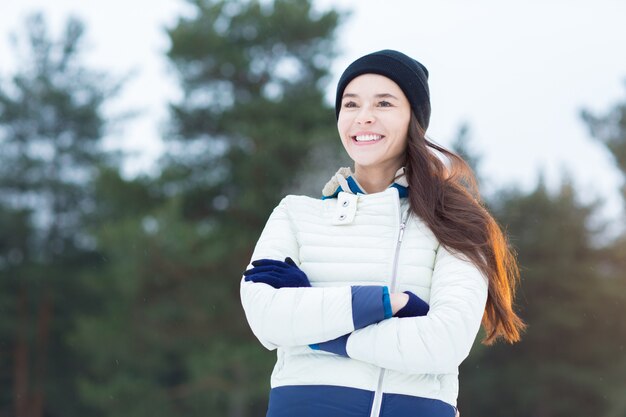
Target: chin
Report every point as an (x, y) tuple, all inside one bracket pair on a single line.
[(362, 162)]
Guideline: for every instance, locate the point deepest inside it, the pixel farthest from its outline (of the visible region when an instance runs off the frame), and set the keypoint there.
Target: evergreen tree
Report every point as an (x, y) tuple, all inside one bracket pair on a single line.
[(570, 361), (14, 232), (51, 125), (253, 75), (610, 130), (462, 147)]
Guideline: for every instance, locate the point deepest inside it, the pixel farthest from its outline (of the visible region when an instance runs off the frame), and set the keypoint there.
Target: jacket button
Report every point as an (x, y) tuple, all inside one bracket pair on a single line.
[(345, 203), (342, 216)]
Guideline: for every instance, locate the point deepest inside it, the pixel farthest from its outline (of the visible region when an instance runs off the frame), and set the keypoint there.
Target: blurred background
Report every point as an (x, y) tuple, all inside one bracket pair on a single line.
[(144, 144)]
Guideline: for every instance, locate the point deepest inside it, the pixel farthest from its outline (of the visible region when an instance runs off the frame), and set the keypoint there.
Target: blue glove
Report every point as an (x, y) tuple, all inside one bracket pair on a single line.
[(415, 307), (336, 346), (278, 274)]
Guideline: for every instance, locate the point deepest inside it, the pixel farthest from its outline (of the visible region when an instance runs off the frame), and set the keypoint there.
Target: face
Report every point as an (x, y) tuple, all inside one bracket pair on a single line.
[(374, 122)]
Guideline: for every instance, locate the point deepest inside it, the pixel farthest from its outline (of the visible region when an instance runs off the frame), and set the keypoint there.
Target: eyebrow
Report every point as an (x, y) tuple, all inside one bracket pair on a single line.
[(382, 95)]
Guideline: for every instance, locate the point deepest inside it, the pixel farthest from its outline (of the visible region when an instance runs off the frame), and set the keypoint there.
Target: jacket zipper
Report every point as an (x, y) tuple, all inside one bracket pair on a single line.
[(378, 394)]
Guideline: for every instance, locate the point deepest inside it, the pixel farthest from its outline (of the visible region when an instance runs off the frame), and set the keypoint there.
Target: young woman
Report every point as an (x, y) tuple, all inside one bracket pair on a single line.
[(374, 294)]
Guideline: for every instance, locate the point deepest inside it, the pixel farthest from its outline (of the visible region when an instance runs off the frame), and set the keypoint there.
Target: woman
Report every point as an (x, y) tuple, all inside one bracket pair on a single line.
[(374, 294)]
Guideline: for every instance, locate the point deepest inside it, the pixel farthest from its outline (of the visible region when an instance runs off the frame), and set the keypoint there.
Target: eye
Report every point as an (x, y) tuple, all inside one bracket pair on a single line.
[(384, 103), (349, 104)]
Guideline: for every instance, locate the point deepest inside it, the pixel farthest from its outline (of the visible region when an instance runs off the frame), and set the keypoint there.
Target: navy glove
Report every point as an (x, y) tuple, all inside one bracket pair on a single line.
[(336, 346), (415, 307), (278, 274)]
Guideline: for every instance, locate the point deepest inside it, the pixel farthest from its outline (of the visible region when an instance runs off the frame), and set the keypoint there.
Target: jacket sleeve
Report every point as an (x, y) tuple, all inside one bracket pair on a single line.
[(303, 316), (438, 342)]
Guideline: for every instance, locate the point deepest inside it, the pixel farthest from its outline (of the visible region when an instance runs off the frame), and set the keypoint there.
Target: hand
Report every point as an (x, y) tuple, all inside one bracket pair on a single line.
[(278, 274), (414, 306)]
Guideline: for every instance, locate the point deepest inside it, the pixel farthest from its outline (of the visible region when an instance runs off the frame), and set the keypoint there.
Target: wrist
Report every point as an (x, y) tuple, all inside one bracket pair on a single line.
[(398, 301)]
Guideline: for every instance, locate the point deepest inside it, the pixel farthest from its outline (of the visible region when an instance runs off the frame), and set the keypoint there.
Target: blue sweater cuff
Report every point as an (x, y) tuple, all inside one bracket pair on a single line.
[(337, 346), (368, 305), (387, 303)]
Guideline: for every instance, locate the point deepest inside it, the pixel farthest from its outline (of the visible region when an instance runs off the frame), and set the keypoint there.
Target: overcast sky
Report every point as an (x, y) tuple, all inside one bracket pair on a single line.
[(518, 72)]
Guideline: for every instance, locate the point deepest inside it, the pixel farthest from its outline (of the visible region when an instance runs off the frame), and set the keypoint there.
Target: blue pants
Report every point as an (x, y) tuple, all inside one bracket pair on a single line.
[(333, 401)]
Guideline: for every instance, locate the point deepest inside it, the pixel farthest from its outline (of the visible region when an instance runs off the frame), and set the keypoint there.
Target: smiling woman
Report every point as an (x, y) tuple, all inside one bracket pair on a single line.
[(373, 125), (374, 294)]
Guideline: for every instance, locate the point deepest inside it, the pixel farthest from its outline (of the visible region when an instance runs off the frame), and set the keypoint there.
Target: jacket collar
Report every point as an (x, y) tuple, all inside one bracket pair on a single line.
[(344, 181)]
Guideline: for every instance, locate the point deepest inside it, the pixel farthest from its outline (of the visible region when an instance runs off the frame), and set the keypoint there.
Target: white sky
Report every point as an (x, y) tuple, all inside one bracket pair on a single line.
[(518, 72)]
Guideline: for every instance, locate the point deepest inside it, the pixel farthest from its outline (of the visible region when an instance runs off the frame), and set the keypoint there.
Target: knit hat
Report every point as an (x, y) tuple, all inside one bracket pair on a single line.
[(410, 75)]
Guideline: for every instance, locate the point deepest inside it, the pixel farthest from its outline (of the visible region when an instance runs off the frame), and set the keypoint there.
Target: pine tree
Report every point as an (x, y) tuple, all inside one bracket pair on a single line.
[(610, 130), (252, 113), (569, 361), (51, 126)]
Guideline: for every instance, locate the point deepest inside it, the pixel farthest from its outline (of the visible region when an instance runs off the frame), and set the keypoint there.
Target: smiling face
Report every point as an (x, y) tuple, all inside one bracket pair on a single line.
[(373, 123)]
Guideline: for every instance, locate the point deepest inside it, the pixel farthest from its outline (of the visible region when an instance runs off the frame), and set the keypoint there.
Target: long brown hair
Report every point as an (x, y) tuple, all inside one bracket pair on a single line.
[(447, 199)]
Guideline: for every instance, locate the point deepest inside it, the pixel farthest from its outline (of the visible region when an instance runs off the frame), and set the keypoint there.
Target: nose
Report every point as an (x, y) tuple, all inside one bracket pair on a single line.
[(365, 115)]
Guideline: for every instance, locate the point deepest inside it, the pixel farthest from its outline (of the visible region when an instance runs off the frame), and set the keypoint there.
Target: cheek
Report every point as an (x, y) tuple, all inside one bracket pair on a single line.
[(342, 125), (403, 124), (403, 132)]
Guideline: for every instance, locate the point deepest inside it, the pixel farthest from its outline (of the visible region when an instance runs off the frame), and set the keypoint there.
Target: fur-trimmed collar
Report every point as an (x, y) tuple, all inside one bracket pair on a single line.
[(344, 180)]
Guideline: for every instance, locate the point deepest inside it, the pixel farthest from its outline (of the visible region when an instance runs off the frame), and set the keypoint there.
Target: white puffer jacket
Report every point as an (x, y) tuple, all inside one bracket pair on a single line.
[(358, 240)]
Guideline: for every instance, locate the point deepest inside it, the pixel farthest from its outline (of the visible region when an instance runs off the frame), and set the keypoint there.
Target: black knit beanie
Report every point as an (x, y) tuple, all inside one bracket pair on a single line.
[(410, 75)]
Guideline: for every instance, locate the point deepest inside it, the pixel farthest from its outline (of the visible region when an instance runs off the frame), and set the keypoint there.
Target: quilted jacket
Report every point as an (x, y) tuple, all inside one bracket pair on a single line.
[(350, 239)]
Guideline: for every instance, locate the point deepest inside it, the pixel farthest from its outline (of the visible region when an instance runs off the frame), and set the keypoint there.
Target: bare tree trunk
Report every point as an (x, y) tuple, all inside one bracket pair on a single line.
[(21, 369), (43, 337)]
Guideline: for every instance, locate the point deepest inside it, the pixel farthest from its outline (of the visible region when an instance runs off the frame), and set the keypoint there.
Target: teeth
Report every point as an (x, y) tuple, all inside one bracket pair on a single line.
[(367, 138)]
